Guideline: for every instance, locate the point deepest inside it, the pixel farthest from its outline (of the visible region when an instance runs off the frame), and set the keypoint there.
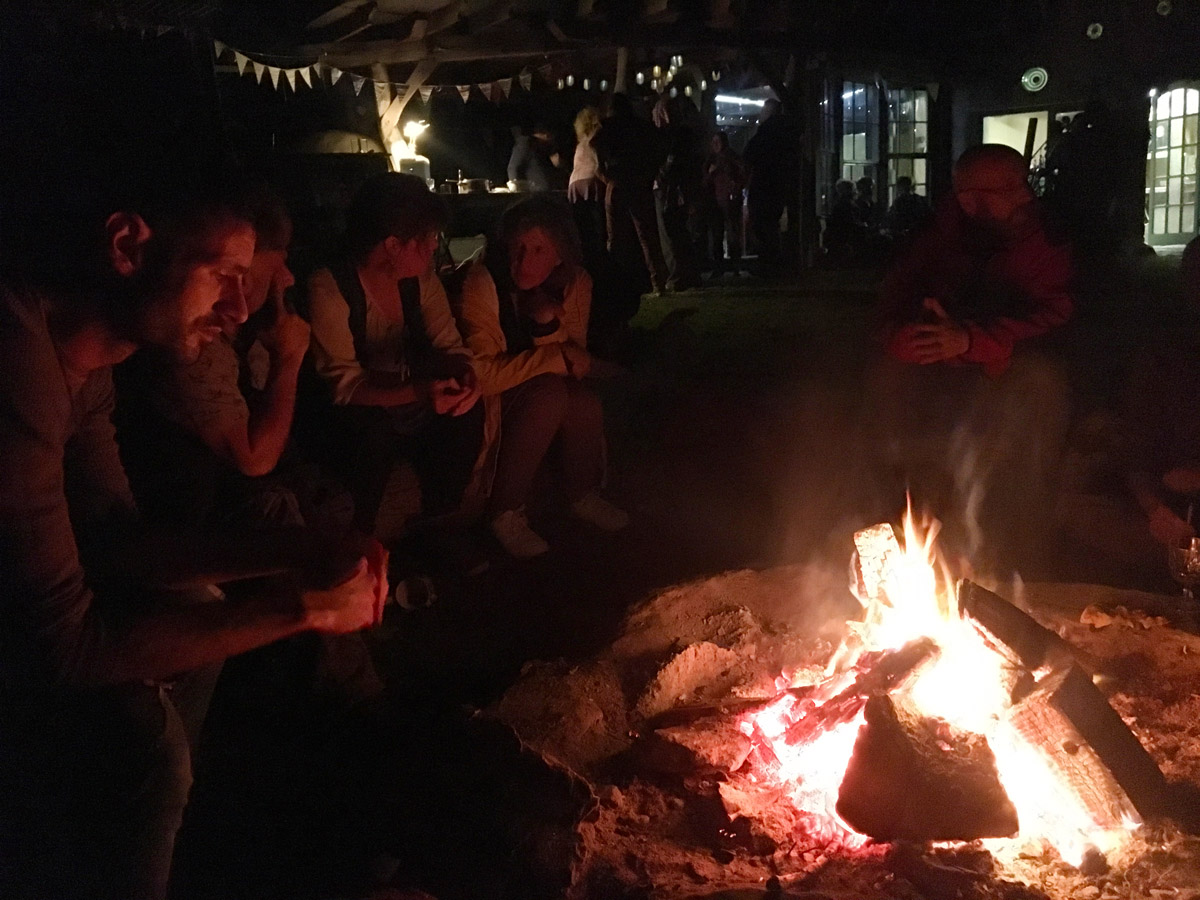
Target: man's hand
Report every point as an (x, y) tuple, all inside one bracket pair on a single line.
[(1167, 528), (287, 338), (578, 360), (932, 342), (354, 604), (1183, 480)]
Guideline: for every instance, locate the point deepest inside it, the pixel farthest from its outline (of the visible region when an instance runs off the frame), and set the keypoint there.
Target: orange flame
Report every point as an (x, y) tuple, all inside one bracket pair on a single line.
[(908, 593)]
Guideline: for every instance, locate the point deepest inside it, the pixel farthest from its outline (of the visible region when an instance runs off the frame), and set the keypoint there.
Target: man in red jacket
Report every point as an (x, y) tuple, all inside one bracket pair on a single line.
[(960, 393)]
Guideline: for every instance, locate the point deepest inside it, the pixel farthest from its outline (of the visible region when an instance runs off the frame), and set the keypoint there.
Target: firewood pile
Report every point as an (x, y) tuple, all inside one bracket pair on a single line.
[(690, 799)]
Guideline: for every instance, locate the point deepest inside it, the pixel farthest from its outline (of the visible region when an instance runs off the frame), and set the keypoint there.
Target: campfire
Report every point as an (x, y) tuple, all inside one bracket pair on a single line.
[(736, 733), (948, 715)]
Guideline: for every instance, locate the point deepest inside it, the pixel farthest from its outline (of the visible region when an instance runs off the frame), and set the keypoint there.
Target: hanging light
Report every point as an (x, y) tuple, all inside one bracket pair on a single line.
[(716, 73), (687, 90), (603, 84), (657, 71), (587, 84), (703, 85), (640, 78), (654, 84), (560, 84), (570, 81), (674, 93)]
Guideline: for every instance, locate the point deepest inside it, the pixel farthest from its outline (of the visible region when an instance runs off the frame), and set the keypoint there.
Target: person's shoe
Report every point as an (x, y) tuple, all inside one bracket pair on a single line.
[(512, 530), (595, 510)]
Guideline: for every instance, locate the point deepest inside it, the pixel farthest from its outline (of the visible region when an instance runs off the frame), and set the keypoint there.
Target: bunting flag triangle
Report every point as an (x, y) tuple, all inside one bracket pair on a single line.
[(219, 49), (526, 80), (493, 92), (357, 81), (290, 74), (334, 75), (306, 73), (273, 71), (426, 92), (259, 69), (464, 91), (242, 61), (505, 85)]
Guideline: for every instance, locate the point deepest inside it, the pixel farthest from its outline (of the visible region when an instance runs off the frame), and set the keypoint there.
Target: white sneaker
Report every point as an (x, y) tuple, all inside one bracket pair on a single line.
[(512, 530), (595, 510)]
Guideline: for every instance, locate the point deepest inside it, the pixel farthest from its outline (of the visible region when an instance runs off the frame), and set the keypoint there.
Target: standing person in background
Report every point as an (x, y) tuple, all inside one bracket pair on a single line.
[(677, 194), (630, 154), (724, 179), (525, 316), (771, 160), (535, 160), (864, 203)]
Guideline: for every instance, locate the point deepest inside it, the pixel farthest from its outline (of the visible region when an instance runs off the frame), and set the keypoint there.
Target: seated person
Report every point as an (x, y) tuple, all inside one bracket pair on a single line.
[(844, 236), (525, 316), (230, 412), (385, 344), (95, 743), (908, 212), (982, 281)]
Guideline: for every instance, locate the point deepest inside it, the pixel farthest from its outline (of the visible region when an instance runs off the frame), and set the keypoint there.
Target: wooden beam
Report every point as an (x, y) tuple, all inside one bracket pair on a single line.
[(336, 14)]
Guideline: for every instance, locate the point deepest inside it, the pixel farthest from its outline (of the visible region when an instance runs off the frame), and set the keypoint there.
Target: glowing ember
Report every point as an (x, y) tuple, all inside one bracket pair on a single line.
[(907, 595)]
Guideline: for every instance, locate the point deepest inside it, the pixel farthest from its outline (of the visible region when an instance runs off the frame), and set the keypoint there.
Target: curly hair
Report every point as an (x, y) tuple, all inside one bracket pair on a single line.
[(392, 204), (587, 123)]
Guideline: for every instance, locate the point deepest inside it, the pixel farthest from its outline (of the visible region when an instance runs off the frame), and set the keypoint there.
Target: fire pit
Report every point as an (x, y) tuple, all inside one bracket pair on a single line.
[(940, 743)]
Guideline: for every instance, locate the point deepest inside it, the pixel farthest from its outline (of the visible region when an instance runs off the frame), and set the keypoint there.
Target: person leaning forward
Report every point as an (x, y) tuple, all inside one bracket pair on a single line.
[(95, 718)]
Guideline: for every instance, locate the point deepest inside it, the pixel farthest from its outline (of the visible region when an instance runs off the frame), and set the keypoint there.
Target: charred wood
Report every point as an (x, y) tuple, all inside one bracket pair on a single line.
[(919, 779)]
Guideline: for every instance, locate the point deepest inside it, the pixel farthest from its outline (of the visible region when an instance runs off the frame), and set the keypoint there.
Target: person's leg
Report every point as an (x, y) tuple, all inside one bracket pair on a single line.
[(366, 449), (103, 779), (444, 451), (732, 215), (532, 415), (640, 204), (582, 441)]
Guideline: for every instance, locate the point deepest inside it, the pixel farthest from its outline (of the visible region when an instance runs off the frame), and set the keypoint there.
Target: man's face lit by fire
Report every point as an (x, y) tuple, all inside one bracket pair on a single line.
[(203, 292)]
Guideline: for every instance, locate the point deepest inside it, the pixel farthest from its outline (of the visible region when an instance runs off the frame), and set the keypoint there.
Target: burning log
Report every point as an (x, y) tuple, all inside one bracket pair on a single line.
[(883, 672), (914, 778), (1031, 643), (1068, 699), (711, 744)]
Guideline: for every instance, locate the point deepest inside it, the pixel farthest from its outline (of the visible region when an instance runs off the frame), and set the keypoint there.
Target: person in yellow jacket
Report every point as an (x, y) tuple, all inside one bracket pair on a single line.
[(524, 317)]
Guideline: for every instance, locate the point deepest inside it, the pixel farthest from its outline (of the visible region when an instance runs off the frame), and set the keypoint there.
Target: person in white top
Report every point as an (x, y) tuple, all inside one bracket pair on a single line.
[(385, 343)]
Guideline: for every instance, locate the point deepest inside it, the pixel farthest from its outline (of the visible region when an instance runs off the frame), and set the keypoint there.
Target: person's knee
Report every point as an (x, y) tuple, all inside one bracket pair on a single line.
[(583, 406), (546, 395)]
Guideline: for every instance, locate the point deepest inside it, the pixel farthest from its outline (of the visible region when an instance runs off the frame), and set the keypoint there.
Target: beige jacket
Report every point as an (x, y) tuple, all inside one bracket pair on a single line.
[(499, 370)]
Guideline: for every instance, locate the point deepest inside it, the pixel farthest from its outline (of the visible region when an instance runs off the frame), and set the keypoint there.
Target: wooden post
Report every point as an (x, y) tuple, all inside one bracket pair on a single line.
[(622, 68)]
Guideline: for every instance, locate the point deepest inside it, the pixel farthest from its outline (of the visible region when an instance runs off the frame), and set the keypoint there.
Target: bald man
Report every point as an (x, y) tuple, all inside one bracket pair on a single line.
[(984, 277), (962, 402)]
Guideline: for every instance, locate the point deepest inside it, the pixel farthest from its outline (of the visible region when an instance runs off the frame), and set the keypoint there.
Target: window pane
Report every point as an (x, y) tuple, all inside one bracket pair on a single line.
[(1176, 132), (847, 146), (1189, 189), (1189, 130), (1177, 100), (918, 171), (1189, 161), (1173, 187), (1160, 220), (848, 101), (1189, 218), (860, 146), (921, 109), (1176, 161), (920, 137), (1160, 166), (1193, 101), (1164, 105)]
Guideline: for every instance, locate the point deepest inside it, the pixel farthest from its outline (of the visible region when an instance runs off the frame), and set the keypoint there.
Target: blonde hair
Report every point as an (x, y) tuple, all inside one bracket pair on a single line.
[(587, 123)]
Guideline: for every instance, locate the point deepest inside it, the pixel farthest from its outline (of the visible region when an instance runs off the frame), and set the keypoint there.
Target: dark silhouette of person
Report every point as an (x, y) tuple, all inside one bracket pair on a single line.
[(908, 212), (771, 159), (535, 160)]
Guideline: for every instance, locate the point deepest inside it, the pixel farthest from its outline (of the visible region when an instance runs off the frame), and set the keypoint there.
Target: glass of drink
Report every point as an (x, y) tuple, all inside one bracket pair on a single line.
[(1184, 561)]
